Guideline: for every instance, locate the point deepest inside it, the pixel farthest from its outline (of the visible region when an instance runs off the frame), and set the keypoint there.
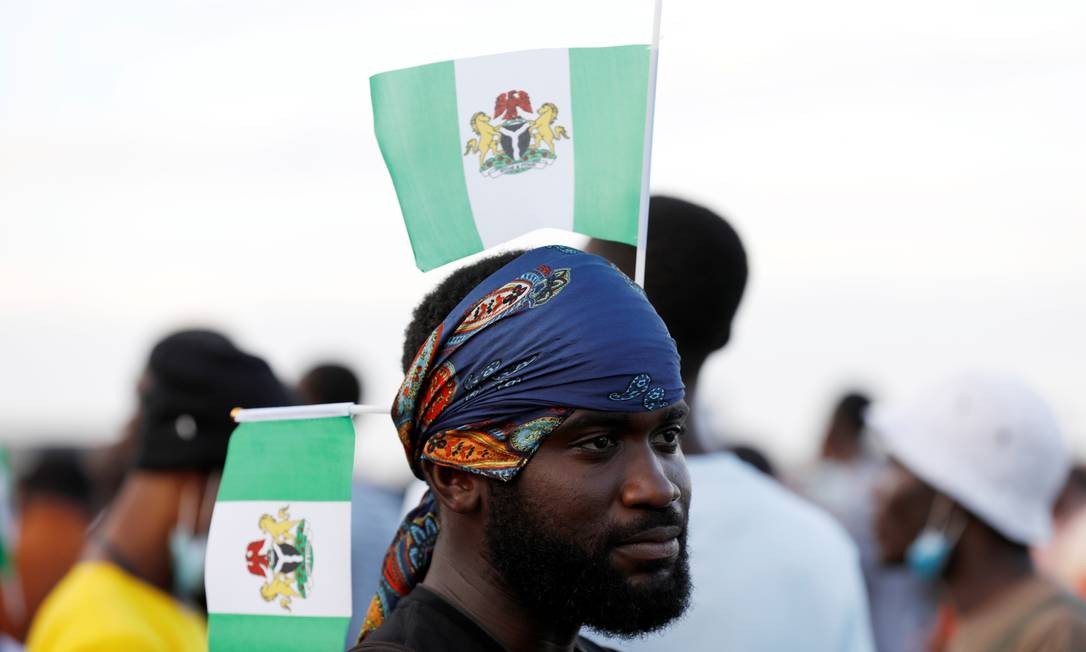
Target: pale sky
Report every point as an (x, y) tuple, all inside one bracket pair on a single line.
[(908, 179)]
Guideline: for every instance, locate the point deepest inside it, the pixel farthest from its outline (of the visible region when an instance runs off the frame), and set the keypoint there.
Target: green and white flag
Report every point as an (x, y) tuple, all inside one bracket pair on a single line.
[(486, 149), (7, 518), (278, 570)]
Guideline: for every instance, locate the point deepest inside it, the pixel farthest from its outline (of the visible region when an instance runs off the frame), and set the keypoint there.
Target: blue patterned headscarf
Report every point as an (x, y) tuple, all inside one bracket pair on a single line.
[(553, 331)]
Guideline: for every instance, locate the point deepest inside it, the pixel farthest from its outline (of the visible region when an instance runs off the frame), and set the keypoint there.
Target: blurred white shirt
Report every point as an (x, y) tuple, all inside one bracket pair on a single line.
[(770, 571), (902, 606)]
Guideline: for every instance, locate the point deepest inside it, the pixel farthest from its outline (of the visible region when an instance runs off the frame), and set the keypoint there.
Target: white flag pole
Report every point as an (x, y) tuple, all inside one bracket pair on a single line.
[(646, 157), (305, 412)]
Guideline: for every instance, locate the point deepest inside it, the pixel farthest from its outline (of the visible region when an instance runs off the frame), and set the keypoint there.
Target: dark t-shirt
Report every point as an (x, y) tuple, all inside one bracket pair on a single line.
[(424, 622)]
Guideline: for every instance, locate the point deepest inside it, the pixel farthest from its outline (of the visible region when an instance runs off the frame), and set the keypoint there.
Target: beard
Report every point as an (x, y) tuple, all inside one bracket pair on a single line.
[(572, 578)]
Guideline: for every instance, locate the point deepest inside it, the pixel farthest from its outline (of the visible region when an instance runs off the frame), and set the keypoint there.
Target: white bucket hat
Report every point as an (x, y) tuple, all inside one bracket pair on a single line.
[(990, 444)]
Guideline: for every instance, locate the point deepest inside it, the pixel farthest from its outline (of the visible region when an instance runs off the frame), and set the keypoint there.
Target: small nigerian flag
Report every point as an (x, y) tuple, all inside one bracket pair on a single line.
[(279, 552), (486, 149)]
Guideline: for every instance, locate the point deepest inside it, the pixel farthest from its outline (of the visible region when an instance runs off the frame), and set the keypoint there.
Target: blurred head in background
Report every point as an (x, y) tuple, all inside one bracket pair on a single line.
[(978, 462), (57, 475), (329, 383), (844, 434), (54, 510)]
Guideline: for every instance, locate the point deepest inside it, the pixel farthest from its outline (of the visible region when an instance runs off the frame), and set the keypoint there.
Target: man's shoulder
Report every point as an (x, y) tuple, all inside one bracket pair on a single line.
[(583, 645), (381, 646), (423, 620)]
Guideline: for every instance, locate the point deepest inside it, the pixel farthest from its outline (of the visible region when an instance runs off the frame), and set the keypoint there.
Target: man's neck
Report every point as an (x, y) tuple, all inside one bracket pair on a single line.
[(475, 587), (977, 578), (694, 442), (135, 532)]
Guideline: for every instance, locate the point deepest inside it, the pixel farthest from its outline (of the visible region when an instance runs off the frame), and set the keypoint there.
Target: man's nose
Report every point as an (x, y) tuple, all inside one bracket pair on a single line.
[(646, 483)]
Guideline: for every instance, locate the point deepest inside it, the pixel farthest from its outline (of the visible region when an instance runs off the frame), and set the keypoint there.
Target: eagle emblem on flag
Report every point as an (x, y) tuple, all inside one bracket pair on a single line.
[(283, 558), (509, 143)]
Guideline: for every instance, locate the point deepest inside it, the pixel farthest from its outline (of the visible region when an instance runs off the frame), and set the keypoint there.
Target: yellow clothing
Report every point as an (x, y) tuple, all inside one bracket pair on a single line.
[(98, 607)]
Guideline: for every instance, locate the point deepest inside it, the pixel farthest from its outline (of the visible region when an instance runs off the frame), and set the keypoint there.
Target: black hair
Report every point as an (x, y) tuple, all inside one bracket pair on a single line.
[(695, 273), (852, 409), (436, 306), (330, 383), (57, 473), (753, 457), (196, 377)]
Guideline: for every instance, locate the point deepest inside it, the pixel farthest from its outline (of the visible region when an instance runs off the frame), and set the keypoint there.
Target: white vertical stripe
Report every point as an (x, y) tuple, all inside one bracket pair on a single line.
[(231, 588), (509, 205)]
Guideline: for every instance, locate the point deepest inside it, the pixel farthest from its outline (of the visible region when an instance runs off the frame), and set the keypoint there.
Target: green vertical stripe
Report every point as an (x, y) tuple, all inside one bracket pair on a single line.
[(236, 633), (415, 116), (303, 459), (609, 88)]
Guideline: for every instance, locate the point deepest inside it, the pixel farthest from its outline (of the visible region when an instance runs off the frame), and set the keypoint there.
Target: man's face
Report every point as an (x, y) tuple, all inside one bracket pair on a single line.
[(593, 530), (902, 504)]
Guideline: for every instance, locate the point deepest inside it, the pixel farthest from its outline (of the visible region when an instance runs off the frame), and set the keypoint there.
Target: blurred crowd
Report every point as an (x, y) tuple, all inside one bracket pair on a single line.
[(952, 522)]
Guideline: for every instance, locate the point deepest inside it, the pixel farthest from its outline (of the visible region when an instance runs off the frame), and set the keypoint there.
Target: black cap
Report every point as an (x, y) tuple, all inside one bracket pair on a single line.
[(196, 378)]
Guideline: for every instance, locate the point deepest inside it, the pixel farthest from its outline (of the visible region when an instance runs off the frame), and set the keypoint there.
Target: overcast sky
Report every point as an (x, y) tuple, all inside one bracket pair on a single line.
[(908, 178)]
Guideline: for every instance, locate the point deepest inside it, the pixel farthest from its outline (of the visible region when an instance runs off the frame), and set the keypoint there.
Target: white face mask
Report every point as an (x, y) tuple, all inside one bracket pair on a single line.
[(188, 549)]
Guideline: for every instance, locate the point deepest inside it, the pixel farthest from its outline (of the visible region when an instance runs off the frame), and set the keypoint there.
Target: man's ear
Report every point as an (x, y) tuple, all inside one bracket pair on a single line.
[(456, 490)]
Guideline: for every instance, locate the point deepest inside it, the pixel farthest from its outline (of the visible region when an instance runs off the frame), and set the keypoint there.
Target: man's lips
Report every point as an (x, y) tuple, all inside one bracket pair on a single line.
[(650, 545)]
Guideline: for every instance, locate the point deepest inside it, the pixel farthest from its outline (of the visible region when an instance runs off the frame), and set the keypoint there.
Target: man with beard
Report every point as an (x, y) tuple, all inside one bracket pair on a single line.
[(543, 406)]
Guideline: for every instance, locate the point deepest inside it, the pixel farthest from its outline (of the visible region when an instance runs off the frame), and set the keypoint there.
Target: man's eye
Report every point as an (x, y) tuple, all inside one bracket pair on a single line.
[(668, 438), (600, 443)]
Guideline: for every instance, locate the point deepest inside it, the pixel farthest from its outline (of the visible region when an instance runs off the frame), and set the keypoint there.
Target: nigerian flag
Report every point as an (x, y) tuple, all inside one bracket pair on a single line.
[(278, 565), (483, 150), (7, 517)]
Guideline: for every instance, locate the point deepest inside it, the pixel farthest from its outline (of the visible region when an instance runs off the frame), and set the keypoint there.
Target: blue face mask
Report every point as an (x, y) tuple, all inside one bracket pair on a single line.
[(188, 549), (187, 553), (929, 553)]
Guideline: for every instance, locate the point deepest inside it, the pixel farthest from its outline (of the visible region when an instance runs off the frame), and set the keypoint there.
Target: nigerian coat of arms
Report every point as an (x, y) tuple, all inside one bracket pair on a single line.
[(511, 143), (283, 558)]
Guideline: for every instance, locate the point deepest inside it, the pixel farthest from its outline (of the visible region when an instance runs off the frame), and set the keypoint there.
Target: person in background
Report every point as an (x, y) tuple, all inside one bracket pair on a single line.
[(54, 511), (145, 559), (843, 482), (329, 383), (772, 572), (977, 462), (375, 510), (1064, 557)]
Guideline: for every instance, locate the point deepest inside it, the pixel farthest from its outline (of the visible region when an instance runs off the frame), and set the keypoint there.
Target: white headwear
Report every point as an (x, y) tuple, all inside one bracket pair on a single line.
[(989, 443)]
